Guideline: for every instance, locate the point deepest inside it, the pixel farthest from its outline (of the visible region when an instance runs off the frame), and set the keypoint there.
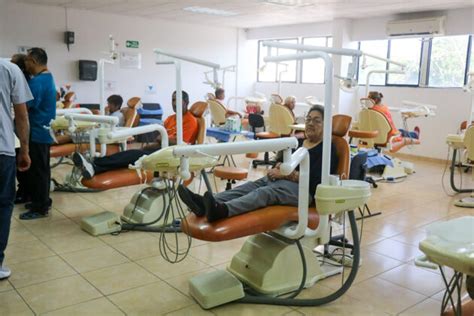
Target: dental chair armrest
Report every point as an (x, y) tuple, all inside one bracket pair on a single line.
[(363, 134)]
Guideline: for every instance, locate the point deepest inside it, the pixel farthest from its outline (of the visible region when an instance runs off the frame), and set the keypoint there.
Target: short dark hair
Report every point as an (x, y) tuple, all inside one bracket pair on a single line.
[(115, 99), (184, 96), (19, 60), (39, 55), (376, 96), (219, 91), (318, 108)]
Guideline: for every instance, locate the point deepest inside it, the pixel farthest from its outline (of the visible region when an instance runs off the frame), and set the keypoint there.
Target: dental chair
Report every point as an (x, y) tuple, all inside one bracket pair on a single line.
[(373, 130), (130, 114), (125, 177), (280, 118), (68, 101), (266, 263)]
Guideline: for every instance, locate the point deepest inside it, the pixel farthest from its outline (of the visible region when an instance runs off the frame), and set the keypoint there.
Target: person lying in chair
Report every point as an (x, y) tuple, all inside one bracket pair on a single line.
[(290, 103), (405, 137), (125, 158), (273, 189), (220, 97)]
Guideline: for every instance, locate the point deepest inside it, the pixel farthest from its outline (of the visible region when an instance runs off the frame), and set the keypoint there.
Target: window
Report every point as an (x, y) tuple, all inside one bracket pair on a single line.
[(312, 70), (378, 48), (266, 71), (408, 52), (471, 58), (270, 72), (448, 61), (287, 69)]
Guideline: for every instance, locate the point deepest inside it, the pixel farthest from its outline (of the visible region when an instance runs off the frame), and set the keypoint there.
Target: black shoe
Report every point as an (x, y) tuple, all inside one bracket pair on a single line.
[(214, 211), (192, 200), (30, 214)]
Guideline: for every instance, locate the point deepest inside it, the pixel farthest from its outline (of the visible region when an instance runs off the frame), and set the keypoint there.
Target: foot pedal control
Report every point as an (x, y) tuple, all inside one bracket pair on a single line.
[(101, 224), (215, 288)]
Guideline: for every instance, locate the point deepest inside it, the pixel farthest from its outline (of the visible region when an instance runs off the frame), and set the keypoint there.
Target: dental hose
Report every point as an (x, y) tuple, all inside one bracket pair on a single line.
[(248, 299)]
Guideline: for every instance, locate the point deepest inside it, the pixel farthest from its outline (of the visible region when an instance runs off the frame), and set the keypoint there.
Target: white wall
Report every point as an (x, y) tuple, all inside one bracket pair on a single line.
[(453, 104), (30, 25)]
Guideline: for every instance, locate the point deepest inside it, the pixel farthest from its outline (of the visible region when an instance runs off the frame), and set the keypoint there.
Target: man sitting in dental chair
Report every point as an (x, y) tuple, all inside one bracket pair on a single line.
[(405, 137), (274, 189), (125, 158)]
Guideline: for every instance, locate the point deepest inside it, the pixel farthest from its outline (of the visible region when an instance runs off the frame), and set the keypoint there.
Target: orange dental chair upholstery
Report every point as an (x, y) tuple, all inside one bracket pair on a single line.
[(125, 177), (271, 217), (130, 114)]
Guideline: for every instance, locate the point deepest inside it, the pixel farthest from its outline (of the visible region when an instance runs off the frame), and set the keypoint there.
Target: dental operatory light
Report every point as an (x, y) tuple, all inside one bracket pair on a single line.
[(292, 3), (210, 11)]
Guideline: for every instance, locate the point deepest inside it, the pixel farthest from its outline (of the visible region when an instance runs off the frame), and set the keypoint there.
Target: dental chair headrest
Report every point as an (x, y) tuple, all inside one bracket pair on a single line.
[(276, 98), (68, 97), (134, 102), (198, 109), (341, 124)]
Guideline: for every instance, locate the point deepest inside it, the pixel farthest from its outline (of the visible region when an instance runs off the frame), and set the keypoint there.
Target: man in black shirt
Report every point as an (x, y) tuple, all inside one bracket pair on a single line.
[(274, 189)]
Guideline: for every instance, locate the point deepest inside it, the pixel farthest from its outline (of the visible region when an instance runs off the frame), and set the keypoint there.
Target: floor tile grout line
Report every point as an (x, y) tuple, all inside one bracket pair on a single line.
[(405, 310)]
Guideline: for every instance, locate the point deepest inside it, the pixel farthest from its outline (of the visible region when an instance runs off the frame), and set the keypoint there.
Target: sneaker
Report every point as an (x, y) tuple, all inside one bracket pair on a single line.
[(4, 273), (82, 163)]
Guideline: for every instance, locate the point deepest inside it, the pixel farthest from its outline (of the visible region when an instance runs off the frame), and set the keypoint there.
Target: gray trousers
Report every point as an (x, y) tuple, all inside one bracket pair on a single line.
[(258, 194)]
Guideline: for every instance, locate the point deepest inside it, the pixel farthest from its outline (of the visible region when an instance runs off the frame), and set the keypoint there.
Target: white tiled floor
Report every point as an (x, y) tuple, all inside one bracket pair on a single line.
[(60, 270)]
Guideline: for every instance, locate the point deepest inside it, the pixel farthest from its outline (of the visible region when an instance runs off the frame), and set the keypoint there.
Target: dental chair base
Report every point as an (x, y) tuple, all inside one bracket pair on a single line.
[(465, 202), (267, 271), (400, 169), (145, 212)]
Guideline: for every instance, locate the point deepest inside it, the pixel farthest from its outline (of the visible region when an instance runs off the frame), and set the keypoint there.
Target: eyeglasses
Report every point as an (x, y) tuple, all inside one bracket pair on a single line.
[(313, 120)]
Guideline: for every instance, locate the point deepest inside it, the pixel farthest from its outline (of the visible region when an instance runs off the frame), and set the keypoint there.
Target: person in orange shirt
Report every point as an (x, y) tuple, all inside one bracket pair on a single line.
[(404, 137), (125, 158)]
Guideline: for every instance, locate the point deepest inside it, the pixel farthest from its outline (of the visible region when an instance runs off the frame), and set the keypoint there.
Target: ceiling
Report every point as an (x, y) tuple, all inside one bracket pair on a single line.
[(256, 13)]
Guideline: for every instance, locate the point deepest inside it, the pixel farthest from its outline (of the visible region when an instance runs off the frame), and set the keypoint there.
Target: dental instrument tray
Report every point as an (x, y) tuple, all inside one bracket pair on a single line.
[(349, 195), (451, 244)]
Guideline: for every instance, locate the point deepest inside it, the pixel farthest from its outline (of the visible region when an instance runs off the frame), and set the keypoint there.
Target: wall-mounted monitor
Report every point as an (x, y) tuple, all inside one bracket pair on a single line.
[(88, 70)]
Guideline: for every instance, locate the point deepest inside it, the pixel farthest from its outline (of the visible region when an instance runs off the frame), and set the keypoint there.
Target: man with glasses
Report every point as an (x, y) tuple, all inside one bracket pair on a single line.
[(274, 189)]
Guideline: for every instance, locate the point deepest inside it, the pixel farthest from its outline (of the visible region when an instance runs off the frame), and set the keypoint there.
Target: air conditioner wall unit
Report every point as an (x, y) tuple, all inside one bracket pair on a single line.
[(419, 27)]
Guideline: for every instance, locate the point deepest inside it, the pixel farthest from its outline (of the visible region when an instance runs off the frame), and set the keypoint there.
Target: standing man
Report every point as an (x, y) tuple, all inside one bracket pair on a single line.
[(41, 110), (13, 90)]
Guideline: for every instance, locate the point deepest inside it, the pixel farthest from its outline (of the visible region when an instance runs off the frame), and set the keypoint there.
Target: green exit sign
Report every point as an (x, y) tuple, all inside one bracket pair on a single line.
[(132, 44)]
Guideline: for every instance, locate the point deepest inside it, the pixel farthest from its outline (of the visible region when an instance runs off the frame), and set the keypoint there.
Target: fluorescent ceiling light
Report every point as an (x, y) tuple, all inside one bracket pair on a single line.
[(292, 3), (210, 11)]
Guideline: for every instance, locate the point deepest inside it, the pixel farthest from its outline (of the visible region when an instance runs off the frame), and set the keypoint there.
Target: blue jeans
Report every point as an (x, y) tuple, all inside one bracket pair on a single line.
[(7, 196), (408, 134)]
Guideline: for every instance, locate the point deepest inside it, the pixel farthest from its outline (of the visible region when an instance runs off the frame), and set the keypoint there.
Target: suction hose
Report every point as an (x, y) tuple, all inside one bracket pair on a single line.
[(248, 299)]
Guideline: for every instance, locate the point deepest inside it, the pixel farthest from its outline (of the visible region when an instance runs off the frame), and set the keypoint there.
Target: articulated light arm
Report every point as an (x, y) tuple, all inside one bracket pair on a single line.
[(128, 132), (61, 112), (176, 60), (104, 119), (102, 63), (385, 60), (310, 48), (383, 71)]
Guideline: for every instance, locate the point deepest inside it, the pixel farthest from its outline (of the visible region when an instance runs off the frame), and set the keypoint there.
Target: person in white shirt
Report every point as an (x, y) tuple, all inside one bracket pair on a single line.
[(14, 91), (114, 103)]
